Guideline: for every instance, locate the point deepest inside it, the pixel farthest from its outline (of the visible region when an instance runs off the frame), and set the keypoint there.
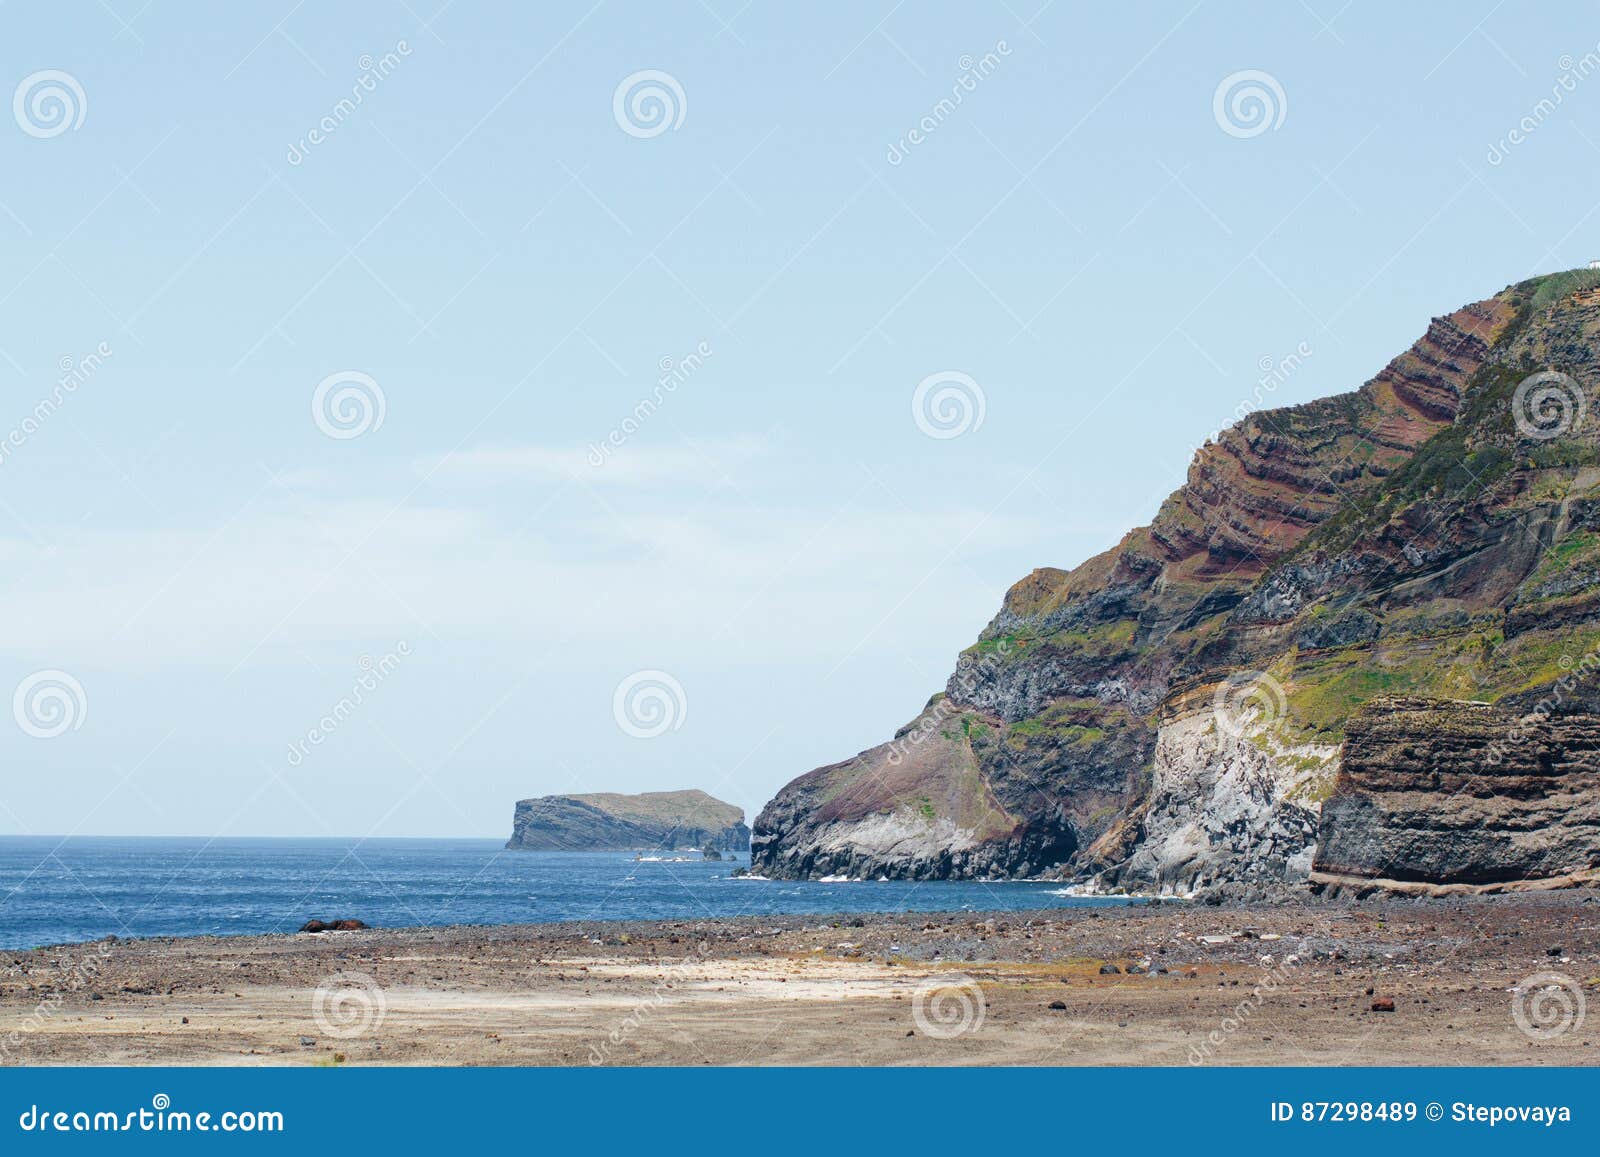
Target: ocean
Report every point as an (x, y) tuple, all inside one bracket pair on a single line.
[(55, 890)]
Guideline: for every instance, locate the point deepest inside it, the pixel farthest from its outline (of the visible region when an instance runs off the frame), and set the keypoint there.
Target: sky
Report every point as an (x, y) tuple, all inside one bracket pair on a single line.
[(410, 408)]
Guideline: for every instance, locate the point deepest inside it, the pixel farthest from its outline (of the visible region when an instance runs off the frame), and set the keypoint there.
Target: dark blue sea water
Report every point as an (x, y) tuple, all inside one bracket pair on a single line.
[(54, 890)]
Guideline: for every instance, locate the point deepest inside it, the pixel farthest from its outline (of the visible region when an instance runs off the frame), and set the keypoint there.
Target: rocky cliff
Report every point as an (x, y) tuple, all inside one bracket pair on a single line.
[(654, 820), (1172, 714), (1441, 797)]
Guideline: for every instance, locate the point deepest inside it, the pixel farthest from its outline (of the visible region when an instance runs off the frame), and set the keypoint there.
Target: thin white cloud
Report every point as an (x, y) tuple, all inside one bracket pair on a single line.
[(628, 463), (300, 574)]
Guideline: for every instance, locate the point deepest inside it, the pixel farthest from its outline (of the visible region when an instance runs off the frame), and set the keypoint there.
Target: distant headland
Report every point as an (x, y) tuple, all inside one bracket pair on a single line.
[(610, 821)]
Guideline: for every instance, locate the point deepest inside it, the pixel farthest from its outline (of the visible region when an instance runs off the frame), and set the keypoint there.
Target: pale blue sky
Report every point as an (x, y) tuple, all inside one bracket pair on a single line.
[(1080, 237)]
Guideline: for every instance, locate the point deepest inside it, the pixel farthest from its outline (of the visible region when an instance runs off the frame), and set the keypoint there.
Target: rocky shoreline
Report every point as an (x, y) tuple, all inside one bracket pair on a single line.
[(1387, 981)]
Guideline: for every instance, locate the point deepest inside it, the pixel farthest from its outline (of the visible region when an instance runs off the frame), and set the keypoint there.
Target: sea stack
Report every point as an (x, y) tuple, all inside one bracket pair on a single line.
[(610, 821)]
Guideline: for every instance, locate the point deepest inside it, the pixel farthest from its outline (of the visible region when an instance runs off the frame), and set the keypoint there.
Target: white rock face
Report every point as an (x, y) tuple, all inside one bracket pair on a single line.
[(1241, 808), (897, 834)]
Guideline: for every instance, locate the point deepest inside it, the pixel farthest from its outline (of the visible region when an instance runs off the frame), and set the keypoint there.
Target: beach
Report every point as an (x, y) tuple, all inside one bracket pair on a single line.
[(1479, 981)]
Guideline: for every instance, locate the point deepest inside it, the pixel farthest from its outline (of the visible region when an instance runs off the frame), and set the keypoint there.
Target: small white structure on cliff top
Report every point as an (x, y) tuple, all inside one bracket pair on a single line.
[(1595, 264)]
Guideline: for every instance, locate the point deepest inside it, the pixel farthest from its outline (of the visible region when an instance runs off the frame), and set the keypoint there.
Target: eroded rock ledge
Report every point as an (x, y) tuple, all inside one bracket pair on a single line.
[(1436, 797)]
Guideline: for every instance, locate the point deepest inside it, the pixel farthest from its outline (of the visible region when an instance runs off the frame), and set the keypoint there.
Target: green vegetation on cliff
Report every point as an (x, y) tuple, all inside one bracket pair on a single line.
[(1411, 537)]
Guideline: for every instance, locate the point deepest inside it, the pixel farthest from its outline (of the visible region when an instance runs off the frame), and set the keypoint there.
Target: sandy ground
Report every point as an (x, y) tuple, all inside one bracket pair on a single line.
[(1269, 986)]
